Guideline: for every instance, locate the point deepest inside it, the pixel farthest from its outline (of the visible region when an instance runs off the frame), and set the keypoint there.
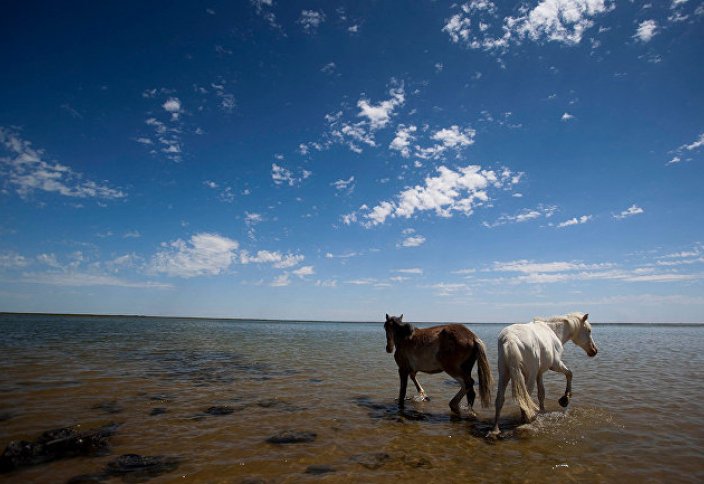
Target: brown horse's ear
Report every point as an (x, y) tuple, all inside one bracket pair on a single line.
[(387, 316), (400, 318), (584, 318)]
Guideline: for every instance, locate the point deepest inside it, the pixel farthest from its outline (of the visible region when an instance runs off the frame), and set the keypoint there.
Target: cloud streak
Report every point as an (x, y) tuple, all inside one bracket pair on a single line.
[(27, 171)]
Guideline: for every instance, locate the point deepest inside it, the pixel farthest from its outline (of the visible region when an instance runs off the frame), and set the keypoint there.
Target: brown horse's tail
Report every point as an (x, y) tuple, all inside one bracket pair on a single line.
[(484, 370)]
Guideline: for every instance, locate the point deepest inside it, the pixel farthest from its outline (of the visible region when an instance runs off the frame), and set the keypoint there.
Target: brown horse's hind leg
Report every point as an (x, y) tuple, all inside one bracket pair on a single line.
[(471, 395), (455, 402), (469, 383)]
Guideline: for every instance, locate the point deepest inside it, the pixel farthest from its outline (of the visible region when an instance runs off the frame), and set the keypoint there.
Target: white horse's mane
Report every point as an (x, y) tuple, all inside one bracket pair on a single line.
[(565, 318)]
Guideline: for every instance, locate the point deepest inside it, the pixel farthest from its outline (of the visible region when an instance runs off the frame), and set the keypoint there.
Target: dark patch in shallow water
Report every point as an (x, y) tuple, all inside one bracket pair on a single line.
[(386, 411), (319, 469), (132, 468), (292, 437), (204, 367), (220, 410), (278, 404), (109, 407), (372, 461), (157, 411), (56, 444)]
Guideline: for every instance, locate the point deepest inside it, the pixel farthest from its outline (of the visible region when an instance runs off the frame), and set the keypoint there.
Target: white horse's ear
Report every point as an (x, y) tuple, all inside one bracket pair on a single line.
[(584, 318), (400, 318)]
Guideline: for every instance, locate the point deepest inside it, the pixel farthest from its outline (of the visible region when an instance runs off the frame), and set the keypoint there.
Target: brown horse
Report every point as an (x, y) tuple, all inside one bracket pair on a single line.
[(451, 348)]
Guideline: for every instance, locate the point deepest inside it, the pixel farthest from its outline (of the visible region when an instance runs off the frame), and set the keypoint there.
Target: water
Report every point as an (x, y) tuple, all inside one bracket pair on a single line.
[(636, 411)]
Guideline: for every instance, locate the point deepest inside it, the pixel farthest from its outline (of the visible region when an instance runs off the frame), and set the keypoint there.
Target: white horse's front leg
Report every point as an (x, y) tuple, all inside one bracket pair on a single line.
[(421, 393), (561, 368)]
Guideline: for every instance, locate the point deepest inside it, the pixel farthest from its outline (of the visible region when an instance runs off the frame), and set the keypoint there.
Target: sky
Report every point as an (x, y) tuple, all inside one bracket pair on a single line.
[(452, 161)]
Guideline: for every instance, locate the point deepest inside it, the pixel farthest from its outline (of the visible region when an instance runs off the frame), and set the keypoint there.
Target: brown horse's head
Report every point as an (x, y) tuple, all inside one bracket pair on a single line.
[(396, 330), (583, 336)]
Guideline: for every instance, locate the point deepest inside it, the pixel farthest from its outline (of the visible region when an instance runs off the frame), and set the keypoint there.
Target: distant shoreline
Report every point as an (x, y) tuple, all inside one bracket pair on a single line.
[(268, 320)]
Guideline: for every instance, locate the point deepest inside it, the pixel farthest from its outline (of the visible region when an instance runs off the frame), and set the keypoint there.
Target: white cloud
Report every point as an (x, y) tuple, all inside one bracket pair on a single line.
[(451, 191), (524, 215), (281, 175), (203, 255), (646, 30), (349, 218), (263, 9), (529, 267), (410, 270), (327, 283), (328, 68), (362, 282), (227, 99), (379, 115), (28, 172), (449, 138), (563, 21), (680, 151), (457, 27), (452, 137), (281, 281), (81, 279), (304, 271), (629, 212), (252, 218), (566, 117), (413, 241), (168, 136), (310, 20), (696, 144), (449, 289), (559, 20), (173, 105), (12, 260), (275, 258), (344, 184), (575, 221), (403, 138)]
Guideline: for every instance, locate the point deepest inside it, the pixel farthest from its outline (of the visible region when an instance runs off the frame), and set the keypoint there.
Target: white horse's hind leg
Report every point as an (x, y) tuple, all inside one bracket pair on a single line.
[(541, 392), (561, 368), (422, 396)]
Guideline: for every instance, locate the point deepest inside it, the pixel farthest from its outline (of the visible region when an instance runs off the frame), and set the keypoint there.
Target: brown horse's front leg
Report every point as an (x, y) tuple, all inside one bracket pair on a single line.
[(403, 375)]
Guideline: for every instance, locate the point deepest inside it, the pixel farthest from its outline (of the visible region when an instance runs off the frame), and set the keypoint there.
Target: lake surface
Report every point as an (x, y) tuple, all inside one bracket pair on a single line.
[(637, 411)]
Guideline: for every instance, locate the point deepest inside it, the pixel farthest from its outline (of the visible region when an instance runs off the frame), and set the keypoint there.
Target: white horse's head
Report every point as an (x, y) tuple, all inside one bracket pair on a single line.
[(582, 336)]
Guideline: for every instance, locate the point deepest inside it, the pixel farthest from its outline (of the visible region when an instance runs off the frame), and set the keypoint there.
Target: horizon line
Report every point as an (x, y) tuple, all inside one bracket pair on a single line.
[(299, 320)]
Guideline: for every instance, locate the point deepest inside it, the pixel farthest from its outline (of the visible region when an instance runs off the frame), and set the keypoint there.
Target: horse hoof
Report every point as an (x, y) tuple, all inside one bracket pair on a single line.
[(564, 401)]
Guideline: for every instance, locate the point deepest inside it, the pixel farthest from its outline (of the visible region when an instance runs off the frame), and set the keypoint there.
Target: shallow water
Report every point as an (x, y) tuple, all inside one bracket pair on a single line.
[(637, 410)]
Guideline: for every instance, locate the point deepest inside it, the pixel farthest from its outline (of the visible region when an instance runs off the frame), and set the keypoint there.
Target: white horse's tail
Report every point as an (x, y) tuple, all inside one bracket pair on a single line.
[(518, 382)]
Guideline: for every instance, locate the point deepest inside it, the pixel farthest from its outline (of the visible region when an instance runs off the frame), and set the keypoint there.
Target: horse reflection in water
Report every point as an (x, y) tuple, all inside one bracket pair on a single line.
[(451, 348), (526, 351)]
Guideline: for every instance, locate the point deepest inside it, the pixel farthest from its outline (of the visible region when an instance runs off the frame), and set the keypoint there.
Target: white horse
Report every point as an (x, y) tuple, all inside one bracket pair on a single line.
[(526, 351)]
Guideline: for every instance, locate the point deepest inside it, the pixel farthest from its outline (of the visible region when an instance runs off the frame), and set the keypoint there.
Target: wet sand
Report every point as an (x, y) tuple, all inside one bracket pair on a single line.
[(212, 394)]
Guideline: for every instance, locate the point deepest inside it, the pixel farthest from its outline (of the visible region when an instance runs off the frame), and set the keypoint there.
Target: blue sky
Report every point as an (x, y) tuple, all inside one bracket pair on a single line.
[(470, 161)]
